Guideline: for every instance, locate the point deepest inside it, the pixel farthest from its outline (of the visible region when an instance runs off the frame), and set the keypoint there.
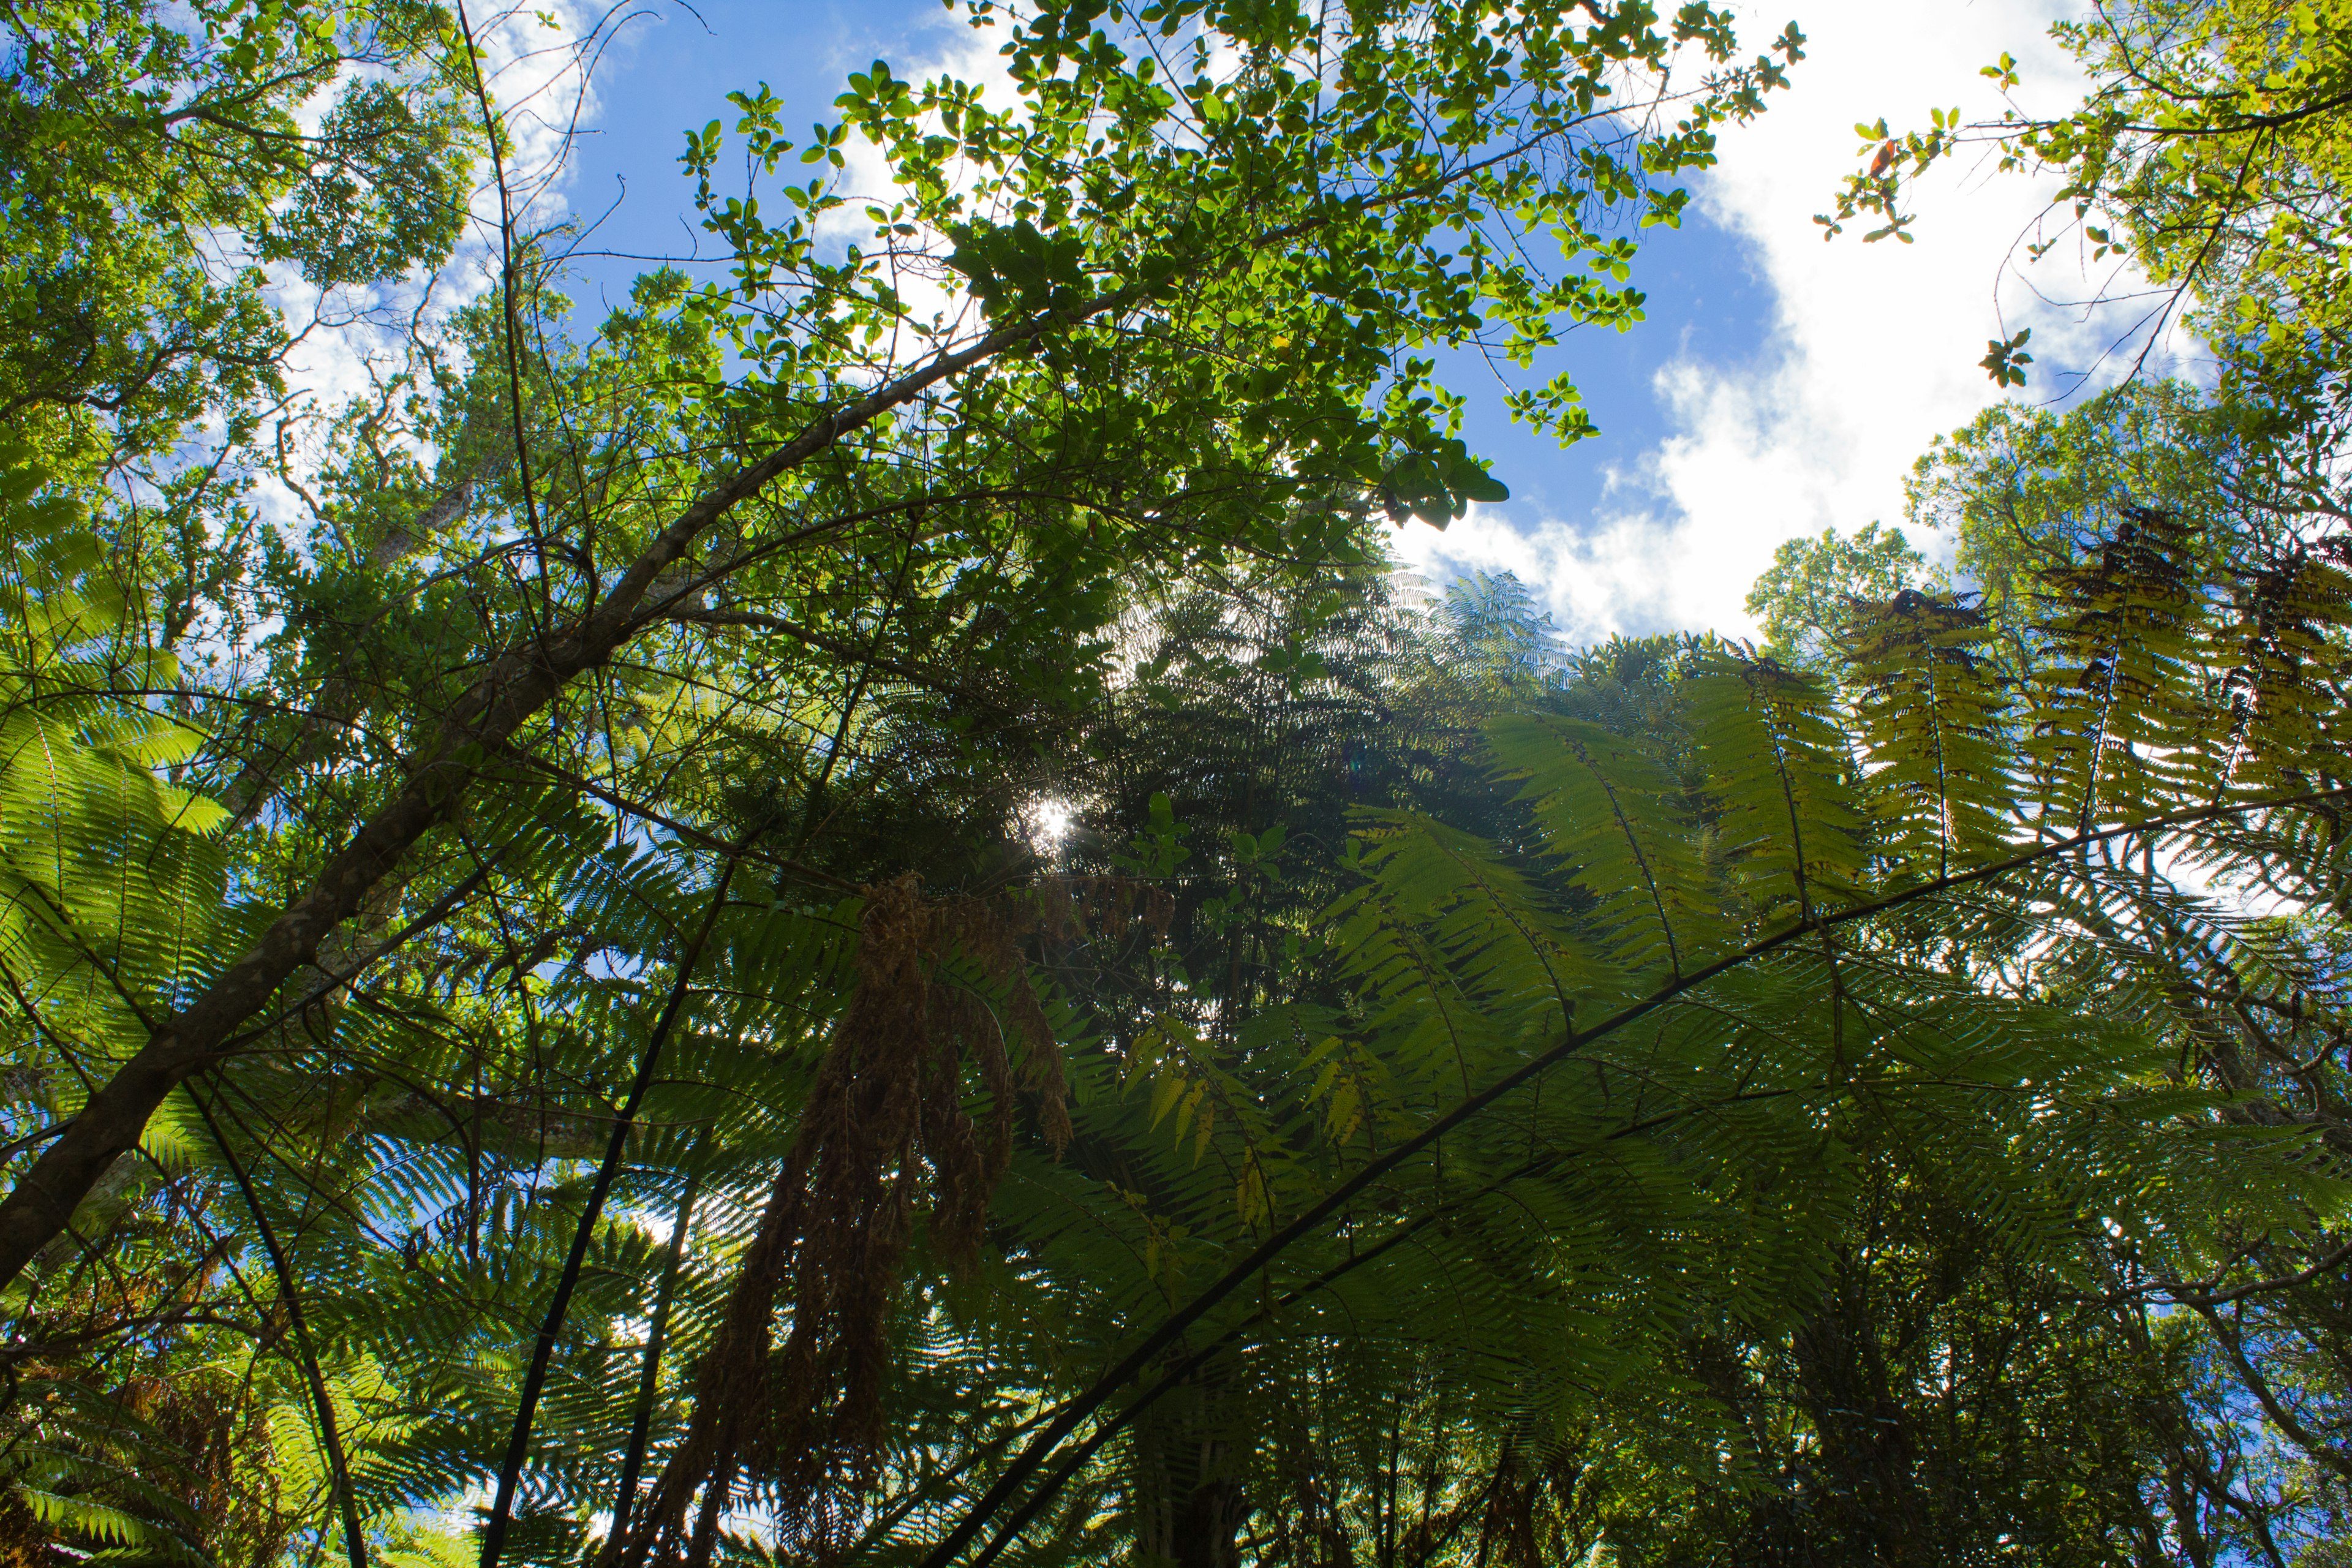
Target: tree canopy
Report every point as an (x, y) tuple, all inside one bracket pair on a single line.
[(851, 916)]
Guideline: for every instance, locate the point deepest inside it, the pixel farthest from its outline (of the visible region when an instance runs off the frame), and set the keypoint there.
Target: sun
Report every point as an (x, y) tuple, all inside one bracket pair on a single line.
[(1048, 820)]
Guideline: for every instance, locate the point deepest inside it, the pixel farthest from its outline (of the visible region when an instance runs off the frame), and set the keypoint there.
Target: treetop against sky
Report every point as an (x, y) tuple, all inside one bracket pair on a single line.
[(1773, 390)]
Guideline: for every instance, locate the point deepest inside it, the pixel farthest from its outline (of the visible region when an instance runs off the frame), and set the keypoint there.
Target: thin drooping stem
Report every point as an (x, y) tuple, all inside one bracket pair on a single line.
[(1131, 1366), (494, 1530), (624, 1496), (494, 135), (339, 1469)]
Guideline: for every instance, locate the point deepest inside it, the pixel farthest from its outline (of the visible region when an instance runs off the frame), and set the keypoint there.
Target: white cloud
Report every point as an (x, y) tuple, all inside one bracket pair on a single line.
[(938, 46), (1872, 352)]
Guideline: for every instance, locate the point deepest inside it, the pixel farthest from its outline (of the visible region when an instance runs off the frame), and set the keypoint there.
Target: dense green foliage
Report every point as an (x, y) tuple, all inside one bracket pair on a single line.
[(851, 917), (1816, 588)]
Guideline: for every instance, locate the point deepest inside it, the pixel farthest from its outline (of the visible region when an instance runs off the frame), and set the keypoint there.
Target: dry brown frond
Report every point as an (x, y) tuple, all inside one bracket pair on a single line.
[(884, 1135)]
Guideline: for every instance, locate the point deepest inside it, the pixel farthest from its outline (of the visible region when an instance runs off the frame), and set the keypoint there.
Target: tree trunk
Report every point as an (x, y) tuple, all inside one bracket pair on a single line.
[(1190, 1503)]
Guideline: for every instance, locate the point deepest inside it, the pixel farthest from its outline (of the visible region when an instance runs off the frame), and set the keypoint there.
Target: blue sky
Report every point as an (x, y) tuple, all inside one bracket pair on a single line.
[(1779, 386)]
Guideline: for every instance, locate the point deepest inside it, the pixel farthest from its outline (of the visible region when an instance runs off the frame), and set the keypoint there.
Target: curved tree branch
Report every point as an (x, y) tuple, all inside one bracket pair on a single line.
[(1131, 1366)]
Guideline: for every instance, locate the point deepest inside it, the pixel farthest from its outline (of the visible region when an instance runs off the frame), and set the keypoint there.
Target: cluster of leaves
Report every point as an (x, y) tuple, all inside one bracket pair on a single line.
[(1817, 589), (2210, 153)]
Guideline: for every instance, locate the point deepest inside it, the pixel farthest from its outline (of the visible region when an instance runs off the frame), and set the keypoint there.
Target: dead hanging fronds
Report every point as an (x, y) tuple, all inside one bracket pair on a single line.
[(942, 992), (1078, 906)]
